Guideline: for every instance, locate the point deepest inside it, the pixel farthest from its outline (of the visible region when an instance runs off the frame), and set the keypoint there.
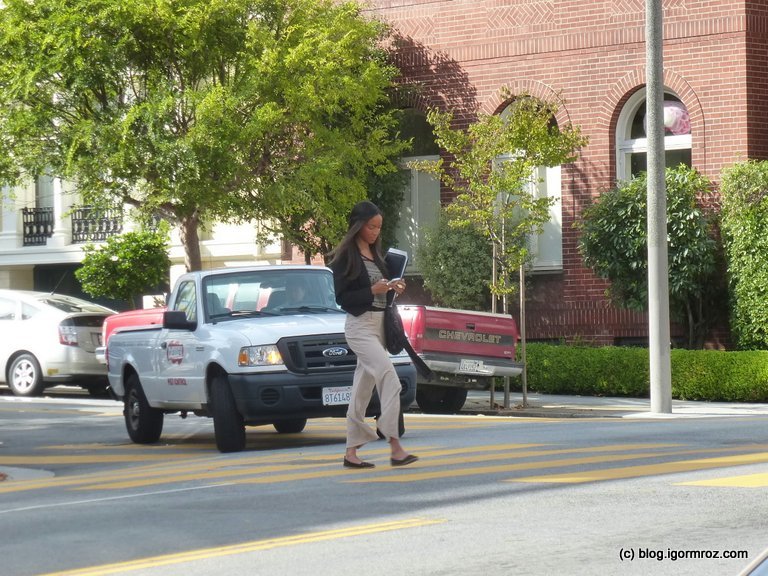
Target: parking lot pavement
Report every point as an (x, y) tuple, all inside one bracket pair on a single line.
[(552, 406)]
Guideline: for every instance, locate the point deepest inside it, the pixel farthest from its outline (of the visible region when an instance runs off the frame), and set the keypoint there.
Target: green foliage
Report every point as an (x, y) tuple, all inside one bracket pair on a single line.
[(387, 191), (744, 224), (491, 170), (126, 266), (709, 375), (588, 371), (201, 110), (614, 245), (456, 262)]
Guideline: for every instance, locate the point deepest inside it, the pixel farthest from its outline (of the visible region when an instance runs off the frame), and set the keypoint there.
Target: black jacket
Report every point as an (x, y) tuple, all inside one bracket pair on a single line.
[(354, 295)]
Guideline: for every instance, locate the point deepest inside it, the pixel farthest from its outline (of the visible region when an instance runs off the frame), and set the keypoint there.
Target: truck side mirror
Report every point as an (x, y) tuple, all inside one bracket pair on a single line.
[(177, 320)]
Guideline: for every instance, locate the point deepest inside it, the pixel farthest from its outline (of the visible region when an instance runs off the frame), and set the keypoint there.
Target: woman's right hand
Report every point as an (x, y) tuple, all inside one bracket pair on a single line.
[(380, 287)]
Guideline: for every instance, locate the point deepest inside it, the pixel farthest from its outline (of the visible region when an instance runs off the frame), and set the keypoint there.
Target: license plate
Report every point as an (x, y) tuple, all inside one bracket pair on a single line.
[(471, 366), (337, 396)]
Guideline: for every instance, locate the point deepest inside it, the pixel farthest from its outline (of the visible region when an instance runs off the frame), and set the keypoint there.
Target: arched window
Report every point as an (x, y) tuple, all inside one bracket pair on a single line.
[(632, 142)]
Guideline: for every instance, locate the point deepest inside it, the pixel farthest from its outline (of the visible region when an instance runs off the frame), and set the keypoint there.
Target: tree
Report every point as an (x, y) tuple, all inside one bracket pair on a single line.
[(614, 244), (744, 193), (126, 266), (490, 170), (199, 110)]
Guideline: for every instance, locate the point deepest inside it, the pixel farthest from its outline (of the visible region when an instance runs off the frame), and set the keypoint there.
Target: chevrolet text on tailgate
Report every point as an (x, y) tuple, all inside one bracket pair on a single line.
[(246, 346), (464, 348)]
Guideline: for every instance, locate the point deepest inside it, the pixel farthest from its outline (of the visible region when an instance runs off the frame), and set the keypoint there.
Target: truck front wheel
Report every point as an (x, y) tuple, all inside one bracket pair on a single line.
[(440, 399), (228, 425), (144, 423)]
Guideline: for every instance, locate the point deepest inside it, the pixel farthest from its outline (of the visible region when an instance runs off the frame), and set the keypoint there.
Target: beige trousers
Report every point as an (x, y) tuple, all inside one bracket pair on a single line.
[(365, 336)]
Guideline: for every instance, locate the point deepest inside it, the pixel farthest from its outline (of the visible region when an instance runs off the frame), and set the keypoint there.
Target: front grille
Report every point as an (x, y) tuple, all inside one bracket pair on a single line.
[(317, 354)]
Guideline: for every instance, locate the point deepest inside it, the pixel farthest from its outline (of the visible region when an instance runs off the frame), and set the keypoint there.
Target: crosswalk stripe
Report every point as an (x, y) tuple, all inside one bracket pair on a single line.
[(435, 463), (647, 470), (247, 547), (759, 480)]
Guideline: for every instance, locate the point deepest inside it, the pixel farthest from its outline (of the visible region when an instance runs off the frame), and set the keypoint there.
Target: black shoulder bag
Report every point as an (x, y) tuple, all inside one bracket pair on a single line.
[(396, 340)]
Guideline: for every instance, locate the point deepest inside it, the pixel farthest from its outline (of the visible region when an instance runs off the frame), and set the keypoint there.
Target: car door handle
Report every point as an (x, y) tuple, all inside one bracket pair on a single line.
[(163, 345)]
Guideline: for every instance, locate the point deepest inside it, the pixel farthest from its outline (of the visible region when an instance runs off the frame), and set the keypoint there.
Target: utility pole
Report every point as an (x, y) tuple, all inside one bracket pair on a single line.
[(658, 273)]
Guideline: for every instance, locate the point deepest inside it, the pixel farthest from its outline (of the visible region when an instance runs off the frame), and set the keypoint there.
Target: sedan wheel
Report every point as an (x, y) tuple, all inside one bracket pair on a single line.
[(25, 377)]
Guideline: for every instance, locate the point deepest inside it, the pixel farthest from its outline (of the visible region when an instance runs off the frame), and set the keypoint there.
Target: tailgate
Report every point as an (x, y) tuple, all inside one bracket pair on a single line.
[(462, 332)]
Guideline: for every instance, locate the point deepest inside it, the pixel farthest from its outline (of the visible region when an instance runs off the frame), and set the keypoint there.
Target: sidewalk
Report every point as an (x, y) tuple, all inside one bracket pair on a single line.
[(551, 406)]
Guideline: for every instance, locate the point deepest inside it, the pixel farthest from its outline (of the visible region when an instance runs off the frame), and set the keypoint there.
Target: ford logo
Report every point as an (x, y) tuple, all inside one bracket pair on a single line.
[(333, 352)]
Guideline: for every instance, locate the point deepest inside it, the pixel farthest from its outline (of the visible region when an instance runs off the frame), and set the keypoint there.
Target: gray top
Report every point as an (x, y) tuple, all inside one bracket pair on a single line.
[(379, 300)]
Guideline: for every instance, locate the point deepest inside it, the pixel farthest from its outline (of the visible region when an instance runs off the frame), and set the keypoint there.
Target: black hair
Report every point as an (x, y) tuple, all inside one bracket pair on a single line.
[(347, 249)]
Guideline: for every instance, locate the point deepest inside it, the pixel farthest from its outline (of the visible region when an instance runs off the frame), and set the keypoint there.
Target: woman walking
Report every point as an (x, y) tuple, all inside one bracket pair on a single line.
[(361, 286)]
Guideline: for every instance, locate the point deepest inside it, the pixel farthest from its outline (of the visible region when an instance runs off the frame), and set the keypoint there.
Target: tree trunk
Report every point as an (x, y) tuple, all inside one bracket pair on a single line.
[(191, 242)]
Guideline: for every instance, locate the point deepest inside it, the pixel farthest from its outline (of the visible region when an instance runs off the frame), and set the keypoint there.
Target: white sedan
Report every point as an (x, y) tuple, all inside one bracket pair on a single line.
[(48, 339)]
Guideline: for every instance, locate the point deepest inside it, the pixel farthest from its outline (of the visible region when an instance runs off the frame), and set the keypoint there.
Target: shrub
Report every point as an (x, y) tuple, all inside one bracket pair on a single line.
[(614, 244), (456, 263), (744, 224), (710, 375), (126, 266)]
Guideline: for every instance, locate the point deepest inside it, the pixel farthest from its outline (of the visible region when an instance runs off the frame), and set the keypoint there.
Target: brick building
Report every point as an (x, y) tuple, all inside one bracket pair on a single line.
[(590, 57)]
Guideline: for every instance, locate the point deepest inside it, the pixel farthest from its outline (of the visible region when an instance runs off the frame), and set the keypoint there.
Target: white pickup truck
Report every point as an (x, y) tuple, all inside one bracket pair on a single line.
[(247, 346)]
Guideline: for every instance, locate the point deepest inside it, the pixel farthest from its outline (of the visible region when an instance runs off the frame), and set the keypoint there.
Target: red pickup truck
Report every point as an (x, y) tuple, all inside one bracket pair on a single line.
[(464, 348)]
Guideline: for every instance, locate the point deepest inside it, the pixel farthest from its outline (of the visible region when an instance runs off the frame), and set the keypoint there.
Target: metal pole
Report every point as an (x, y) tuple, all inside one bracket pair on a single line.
[(658, 278), (524, 375), (493, 309)]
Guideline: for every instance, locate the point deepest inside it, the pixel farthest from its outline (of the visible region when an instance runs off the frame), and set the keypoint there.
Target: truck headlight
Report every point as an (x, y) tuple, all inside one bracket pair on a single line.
[(259, 356)]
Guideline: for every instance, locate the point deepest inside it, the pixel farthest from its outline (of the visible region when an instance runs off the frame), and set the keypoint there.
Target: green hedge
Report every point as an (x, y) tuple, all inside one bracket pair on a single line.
[(617, 371)]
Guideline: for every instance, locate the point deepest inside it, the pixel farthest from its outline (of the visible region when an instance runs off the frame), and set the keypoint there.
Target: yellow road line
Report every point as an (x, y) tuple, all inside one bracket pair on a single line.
[(169, 470), (429, 461), (743, 481), (415, 476), (85, 459), (246, 547), (648, 470)]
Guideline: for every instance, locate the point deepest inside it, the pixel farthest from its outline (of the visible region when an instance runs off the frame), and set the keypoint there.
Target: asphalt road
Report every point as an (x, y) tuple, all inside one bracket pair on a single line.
[(608, 494)]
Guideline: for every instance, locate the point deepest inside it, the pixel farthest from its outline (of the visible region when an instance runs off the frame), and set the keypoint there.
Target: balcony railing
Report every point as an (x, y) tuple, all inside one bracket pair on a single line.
[(95, 224), (38, 225)]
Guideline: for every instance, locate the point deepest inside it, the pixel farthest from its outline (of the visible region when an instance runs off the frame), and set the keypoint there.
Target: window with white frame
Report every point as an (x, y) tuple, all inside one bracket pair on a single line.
[(420, 209), (547, 247), (632, 142)]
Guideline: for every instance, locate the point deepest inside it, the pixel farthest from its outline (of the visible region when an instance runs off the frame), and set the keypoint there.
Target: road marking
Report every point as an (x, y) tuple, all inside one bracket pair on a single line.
[(247, 547), (108, 498), (86, 459), (431, 474), (744, 481), (648, 470)]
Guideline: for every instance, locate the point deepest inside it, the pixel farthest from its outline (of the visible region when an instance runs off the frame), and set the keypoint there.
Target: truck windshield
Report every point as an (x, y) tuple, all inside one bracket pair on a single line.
[(269, 292)]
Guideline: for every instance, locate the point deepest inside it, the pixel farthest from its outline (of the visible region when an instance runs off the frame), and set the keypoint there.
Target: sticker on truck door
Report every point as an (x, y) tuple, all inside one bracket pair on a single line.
[(175, 352)]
